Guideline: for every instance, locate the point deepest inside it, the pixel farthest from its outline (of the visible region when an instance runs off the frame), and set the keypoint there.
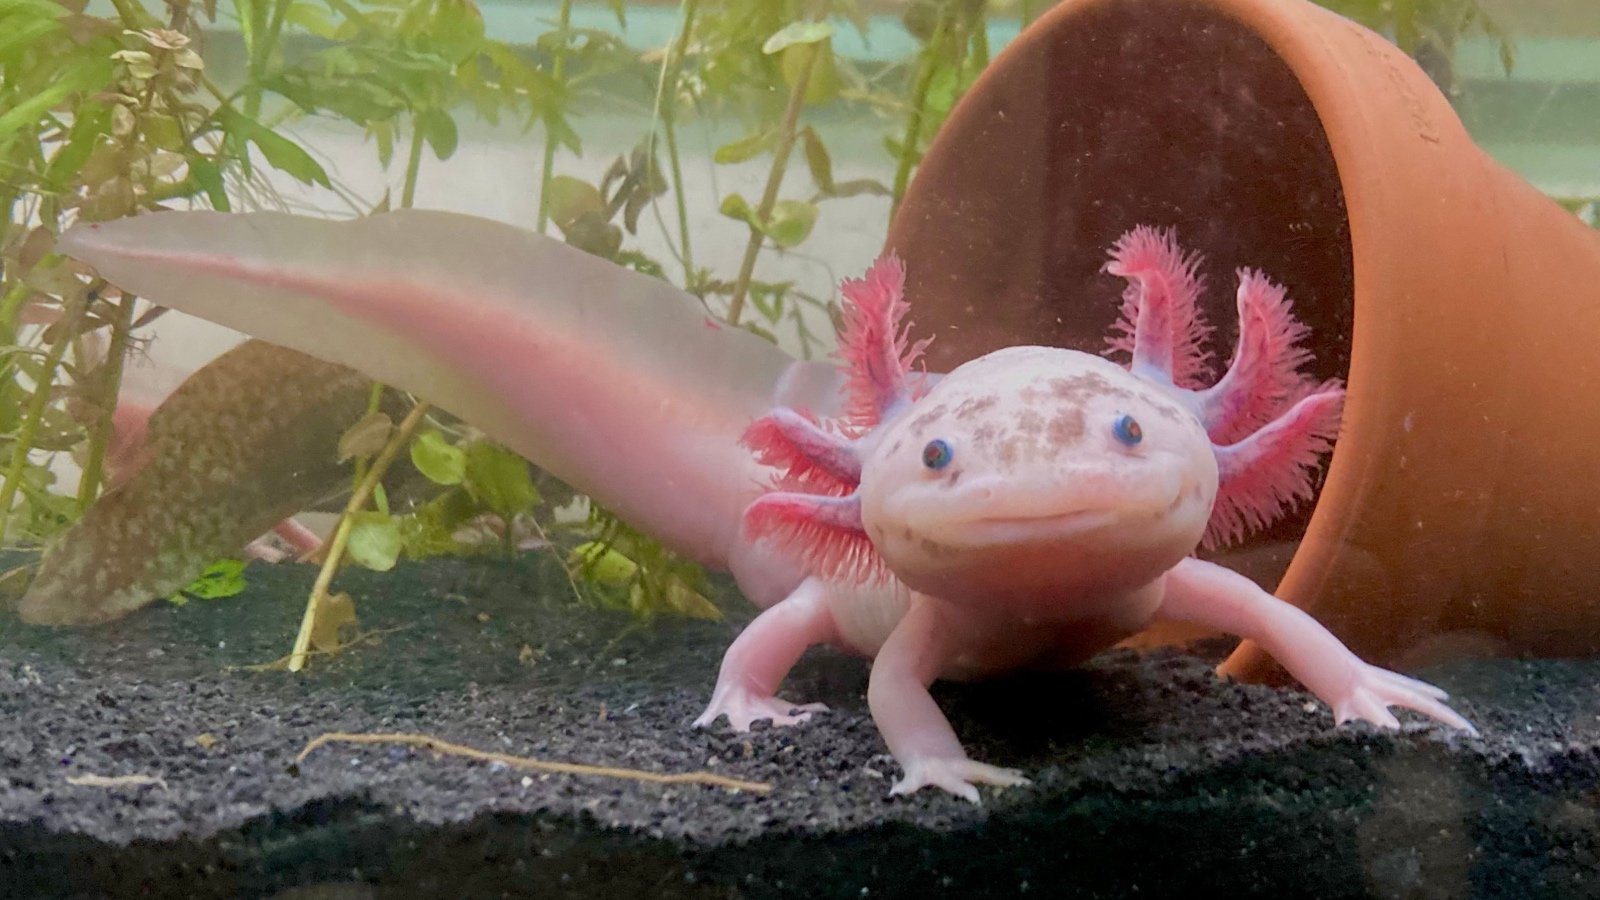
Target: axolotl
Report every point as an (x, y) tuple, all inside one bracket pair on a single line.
[(1029, 508)]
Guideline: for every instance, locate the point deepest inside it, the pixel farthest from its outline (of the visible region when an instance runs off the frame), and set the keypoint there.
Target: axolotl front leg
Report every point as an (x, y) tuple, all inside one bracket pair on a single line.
[(762, 655), (934, 635), (1208, 594)]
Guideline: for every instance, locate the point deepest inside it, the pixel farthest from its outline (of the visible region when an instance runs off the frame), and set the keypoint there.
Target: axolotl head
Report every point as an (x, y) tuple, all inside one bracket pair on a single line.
[(1035, 474)]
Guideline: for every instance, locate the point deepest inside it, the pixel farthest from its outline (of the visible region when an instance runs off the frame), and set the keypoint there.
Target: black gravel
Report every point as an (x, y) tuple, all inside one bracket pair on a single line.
[(1152, 778)]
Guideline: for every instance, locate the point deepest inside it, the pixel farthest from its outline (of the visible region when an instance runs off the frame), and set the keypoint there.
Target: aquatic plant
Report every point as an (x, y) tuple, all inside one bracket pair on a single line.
[(103, 116)]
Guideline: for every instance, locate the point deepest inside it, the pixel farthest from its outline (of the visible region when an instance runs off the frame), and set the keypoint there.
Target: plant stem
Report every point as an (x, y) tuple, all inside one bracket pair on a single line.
[(557, 73), (11, 311), (267, 29), (36, 404), (666, 92), (919, 102), (367, 479), (413, 165), (769, 197), (341, 535), (100, 435)]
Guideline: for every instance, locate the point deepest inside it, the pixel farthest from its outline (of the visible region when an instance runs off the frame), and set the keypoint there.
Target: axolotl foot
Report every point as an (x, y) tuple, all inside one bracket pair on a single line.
[(744, 707), (1370, 692), (959, 776)]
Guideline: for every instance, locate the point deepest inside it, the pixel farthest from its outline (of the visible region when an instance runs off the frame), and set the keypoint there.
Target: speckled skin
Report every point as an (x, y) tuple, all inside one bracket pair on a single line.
[(619, 385), (1031, 433), (249, 440), (1043, 539)]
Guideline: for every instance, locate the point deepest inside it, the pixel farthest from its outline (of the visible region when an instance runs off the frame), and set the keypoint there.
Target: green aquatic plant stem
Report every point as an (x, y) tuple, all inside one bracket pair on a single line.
[(35, 413), (341, 535), (100, 434), (919, 103), (558, 68), (780, 162), (408, 192), (11, 311), (264, 30), (666, 108)]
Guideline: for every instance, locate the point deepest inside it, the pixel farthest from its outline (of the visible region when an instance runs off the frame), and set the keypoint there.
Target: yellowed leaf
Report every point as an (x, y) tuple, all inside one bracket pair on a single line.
[(333, 614)]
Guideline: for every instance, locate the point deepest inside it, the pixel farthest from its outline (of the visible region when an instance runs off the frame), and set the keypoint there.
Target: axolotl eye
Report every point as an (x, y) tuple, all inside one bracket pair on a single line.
[(1126, 430), (936, 454)]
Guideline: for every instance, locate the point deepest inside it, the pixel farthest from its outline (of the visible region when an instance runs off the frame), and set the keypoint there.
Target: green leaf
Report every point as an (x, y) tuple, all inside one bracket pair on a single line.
[(746, 147), (223, 578), (797, 33), (439, 129), (367, 436), (602, 564), (25, 34), (92, 123), (734, 206), (824, 83), (457, 30), (87, 75), (383, 133), (280, 152), (374, 540), (561, 132), (314, 19), (49, 8), (436, 458), (209, 178), (817, 159), (500, 480), (791, 222), (570, 199)]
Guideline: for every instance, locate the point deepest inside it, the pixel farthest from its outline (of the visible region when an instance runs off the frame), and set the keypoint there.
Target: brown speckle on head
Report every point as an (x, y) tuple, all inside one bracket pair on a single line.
[(984, 435), (1079, 387), (1067, 427), (1030, 423), (973, 406), (1010, 450), (1170, 412), (953, 477), (936, 550), (928, 418)]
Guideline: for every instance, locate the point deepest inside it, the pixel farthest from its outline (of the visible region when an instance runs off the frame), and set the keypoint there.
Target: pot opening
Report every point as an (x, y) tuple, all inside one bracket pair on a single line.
[(1103, 116)]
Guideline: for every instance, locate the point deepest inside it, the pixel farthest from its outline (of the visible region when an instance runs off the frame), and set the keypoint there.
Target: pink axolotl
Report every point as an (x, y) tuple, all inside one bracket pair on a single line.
[(1030, 508)]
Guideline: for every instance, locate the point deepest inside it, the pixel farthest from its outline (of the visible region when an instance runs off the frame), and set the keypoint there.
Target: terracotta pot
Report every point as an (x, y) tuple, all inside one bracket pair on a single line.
[(1462, 504)]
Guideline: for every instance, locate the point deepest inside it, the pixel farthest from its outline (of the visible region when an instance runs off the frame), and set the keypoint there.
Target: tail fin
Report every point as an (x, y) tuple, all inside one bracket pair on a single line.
[(613, 381)]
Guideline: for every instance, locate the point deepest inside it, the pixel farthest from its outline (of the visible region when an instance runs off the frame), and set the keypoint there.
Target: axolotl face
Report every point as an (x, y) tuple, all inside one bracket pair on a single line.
[(1038, 480)]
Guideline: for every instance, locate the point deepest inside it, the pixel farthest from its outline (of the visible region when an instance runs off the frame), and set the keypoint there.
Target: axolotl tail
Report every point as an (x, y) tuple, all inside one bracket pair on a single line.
[(613, 381)]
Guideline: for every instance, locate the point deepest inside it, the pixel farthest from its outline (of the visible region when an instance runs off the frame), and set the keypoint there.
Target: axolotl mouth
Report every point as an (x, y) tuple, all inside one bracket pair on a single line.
[(1027, 529), (1007, 517)]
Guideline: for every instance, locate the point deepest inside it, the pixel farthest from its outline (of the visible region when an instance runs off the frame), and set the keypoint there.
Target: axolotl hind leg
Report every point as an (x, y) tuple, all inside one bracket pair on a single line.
[(1198, 591), (759, 659)]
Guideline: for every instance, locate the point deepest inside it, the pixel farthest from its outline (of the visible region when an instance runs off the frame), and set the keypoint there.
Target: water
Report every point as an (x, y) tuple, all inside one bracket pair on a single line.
[(1431, 224)]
